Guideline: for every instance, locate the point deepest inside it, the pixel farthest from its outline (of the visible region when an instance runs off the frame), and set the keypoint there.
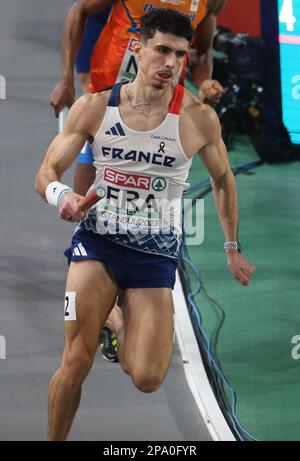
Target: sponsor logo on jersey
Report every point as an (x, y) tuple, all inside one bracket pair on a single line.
[(131, 45), (163, 138), (159, 184), (126, 179), (116, 130)]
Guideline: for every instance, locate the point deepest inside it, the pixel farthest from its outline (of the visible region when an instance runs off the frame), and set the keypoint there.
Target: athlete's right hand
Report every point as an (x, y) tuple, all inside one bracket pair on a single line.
[(63, 95), (68, 207), (211, 91)]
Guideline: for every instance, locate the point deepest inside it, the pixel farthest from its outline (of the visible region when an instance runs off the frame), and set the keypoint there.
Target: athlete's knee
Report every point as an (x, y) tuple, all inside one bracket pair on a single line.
[(124, 365), (145, 379)]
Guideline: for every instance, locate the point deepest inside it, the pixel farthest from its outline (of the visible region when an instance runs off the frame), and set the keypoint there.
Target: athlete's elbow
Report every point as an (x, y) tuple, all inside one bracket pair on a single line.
[(223, 180), (77, 14), (42, 179), (78, 9), (217, 182), (38, 186), (85, 8)]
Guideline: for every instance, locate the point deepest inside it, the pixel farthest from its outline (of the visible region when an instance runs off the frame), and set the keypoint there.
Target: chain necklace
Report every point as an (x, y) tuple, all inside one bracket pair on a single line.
[(143, 106)]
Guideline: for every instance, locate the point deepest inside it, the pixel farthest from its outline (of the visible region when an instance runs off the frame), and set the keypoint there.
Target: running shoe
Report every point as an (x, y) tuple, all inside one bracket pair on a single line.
[(108, 345)]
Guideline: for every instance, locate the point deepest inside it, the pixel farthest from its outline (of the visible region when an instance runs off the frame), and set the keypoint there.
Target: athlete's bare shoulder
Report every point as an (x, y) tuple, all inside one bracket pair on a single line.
[(201, 118), (189, 99), (87, 113)]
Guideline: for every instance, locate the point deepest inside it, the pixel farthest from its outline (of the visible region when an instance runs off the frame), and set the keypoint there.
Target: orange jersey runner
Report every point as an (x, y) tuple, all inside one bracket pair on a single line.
[(113, 58)]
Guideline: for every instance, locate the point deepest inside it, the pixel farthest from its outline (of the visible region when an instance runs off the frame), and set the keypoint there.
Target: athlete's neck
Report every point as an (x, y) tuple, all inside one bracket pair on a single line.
[(142, 91)]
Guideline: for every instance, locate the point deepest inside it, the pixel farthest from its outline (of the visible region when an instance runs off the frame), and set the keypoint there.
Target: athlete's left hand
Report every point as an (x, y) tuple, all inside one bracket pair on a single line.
[(240, 267), (211, 91)]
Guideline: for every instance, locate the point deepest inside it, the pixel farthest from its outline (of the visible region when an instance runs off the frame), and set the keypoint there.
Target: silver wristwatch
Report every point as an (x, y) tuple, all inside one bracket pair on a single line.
[(232, 246)]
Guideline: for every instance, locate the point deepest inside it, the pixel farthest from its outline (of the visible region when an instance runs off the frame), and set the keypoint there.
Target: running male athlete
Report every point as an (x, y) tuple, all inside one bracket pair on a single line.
[(92, 29), (144, 136), (113, 60), (113, 57)]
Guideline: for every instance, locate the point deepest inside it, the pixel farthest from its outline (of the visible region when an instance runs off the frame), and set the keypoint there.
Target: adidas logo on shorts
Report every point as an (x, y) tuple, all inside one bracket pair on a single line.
[(79, 250)]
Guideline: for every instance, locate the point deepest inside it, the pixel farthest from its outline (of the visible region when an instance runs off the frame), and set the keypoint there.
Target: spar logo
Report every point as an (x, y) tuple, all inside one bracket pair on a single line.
[(159, 184), (127, 180)]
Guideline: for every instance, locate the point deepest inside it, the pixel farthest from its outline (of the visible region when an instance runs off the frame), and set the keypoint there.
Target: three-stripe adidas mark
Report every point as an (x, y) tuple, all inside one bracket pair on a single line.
[(79, 250), (116, 130)]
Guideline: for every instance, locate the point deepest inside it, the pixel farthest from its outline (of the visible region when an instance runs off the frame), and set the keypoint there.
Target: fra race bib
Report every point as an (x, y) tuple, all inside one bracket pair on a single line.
[(132, 202)]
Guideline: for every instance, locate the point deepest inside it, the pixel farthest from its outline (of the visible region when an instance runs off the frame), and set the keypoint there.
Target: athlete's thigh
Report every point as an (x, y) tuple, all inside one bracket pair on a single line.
[(149, 326), (91, 293)]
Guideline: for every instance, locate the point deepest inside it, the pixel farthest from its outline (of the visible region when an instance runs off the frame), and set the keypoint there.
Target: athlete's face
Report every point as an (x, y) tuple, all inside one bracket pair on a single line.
[(161, 58)]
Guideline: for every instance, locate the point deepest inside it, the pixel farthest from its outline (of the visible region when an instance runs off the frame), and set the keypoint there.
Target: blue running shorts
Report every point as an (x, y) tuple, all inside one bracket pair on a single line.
[(131, 268)]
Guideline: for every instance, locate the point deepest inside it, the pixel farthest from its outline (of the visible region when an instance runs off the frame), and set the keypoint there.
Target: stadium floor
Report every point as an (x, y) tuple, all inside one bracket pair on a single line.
[(33, 268), (255, 341)]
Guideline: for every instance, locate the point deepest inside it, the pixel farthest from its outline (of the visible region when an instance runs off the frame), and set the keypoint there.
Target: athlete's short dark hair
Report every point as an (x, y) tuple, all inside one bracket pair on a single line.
[(166, 21)]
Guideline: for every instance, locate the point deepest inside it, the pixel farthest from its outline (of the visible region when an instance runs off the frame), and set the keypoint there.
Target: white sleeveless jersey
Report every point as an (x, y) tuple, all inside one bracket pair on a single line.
[(141, 176)]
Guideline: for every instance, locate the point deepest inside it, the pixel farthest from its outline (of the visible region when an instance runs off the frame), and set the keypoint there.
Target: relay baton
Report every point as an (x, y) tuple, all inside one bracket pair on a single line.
[(91, 199), (62, 118)]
